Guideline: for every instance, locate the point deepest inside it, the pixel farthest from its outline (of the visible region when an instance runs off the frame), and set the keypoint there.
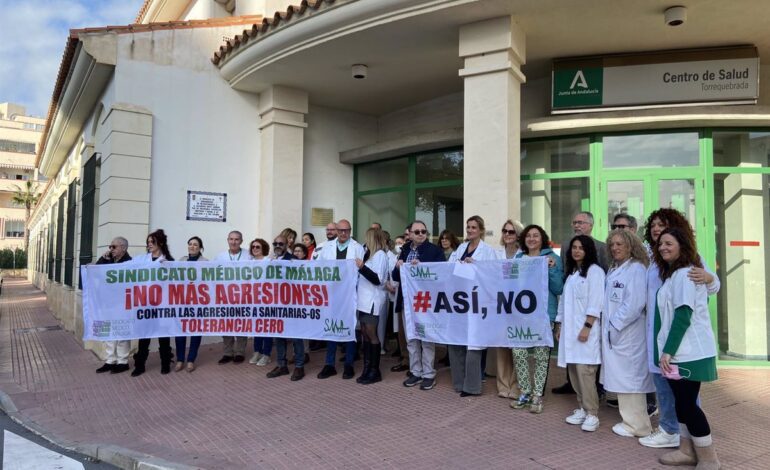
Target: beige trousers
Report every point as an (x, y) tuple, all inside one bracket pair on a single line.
[(633, 410), (583, 378), (506, 377)]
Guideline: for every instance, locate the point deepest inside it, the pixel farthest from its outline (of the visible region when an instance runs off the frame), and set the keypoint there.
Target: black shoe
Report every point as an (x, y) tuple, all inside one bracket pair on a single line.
[(427, 384), (565, 389), (225, 360), (137, 371), (613, 403), (372, 377), (444, 362), (349, 372), (105, 368), (327, 372), (466, 394), (238, 359), (299, 373), (118, 368), (165, 368), (277, 372), (399, 368)]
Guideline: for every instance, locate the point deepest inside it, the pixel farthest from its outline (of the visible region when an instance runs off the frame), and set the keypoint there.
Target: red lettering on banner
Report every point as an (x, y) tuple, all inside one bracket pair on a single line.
[(175, 294), (221, 295), (268, 325)]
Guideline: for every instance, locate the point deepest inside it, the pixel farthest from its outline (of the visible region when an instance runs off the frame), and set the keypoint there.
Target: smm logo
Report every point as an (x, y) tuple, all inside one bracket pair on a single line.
[(422, 273), (579, 80)]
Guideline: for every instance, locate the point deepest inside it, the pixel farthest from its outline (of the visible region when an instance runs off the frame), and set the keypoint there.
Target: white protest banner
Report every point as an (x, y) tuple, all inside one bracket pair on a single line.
[(291, 299), (501, 303)]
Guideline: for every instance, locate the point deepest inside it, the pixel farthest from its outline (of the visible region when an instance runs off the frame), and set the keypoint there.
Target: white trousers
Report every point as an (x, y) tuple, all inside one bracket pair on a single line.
[(117, 351)]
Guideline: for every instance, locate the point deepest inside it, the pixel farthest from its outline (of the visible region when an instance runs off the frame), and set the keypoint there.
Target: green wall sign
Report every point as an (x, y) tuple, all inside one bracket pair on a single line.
[(578, 88)]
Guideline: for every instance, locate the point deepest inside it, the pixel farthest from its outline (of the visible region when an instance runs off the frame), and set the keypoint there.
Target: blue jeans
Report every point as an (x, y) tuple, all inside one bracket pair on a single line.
[(666, 405), (181, 342), (331, 352), (299, 351), (263, 345)]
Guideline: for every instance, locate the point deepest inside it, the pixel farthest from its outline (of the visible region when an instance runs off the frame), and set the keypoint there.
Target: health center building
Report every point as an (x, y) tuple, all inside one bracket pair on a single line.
[(212, 115)]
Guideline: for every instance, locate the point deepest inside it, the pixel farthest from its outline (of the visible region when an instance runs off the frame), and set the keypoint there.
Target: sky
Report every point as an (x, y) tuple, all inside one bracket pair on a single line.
[(33, 34)]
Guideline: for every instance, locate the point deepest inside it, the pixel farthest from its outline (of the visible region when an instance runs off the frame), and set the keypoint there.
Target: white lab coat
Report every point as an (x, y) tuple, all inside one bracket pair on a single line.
[(226, 256), (146, 258), (329, 251), (624, 332), (482, 252), (582, 297), (371, 298)]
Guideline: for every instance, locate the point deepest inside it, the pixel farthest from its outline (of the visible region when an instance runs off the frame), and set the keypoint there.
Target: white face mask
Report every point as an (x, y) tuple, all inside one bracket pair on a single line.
[(398, 249)]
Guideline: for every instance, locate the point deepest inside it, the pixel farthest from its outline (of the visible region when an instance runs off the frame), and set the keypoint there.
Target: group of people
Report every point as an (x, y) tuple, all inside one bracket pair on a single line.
[(630, 317)]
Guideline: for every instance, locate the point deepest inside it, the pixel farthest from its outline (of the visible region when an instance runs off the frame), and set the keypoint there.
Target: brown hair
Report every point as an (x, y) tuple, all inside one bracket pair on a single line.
[(638, 252), (688, 252), (480, 222)]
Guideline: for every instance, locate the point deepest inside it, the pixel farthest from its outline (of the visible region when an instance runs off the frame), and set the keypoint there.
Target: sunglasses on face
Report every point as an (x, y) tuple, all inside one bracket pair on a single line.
[(617, 226), (113, 247), (419, 232), (509, 232), (256, 247), (279, 244)]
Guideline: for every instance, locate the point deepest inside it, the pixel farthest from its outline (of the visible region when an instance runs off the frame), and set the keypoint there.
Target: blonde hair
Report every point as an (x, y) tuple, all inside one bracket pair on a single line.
[(638, 252), (480, 222), (518, 226), (375, 240)]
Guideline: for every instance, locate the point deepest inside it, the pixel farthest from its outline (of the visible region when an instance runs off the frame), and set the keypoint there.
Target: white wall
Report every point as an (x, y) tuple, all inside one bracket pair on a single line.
[(205, 135), (204, 9), (327, 183), (441, 113)]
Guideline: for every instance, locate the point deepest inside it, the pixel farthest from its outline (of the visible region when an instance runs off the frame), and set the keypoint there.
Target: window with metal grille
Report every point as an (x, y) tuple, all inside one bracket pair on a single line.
[(14, 146), (87, 214), (69, 243), (59, 238)]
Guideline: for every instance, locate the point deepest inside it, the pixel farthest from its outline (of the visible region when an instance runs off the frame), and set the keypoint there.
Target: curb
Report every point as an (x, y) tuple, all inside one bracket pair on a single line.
[(118, 456)]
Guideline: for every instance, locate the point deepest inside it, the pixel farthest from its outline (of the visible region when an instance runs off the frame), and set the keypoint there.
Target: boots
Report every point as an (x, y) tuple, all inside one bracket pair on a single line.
[(685, 455), (367, 361), (707, 458), (140, 358), (374, 375), (166, 355)]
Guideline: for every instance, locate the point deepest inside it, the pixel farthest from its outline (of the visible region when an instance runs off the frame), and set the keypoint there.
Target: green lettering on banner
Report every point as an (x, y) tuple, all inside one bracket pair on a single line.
[(575, 88)]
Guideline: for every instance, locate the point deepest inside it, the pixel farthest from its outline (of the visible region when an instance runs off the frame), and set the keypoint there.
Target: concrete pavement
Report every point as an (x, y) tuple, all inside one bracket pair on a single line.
[(232, 416)]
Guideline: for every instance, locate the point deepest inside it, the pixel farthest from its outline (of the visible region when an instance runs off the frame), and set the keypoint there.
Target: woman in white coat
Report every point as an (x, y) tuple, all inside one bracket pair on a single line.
[(624, 333), (465, 361), (372, 274), (578, 328), (157, 251)]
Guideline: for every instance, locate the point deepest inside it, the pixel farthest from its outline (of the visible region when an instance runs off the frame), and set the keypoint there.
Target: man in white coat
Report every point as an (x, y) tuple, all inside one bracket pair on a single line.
[(343, 247), (331, 234), (234, 346)]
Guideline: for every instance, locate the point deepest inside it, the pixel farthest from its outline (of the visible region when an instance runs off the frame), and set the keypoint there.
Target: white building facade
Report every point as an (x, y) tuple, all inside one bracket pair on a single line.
[(432, 109)]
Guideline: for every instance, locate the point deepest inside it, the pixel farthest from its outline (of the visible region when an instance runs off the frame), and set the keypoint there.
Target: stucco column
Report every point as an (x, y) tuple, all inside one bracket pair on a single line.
[(493, 52), (282, 126)]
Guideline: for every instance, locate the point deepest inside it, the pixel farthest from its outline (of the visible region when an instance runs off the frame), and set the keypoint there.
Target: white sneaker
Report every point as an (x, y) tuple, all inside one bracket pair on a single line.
[(621, 430), (590, 424), (255, 358), (577, 416), (660, 439), (264, 360)]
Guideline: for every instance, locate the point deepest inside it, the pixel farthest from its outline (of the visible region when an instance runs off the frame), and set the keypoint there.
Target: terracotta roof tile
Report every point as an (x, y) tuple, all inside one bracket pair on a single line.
[(268, 25), (142, 11), (71, 46)]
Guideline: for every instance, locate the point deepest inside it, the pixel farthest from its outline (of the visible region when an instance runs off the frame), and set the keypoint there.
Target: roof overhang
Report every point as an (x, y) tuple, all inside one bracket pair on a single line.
[(91, 60)]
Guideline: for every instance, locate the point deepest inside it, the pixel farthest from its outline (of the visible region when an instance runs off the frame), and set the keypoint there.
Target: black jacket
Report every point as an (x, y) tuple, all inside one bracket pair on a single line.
[(426, 252)]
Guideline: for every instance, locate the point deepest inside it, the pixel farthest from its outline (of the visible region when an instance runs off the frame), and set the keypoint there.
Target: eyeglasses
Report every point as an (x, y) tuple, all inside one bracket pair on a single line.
[(509, 232), (256, 247), (579, 222), (279, 244), (419, 232), (113, 247), (343, 230), (617, 226)]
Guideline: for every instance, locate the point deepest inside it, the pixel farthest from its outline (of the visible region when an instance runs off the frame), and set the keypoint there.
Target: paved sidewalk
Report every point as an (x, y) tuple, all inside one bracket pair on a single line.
[(232, 416)]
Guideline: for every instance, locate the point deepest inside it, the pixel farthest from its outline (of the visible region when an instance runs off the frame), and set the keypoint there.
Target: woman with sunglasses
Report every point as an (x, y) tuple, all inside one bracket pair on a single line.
[(534, 241), (263, 345), (157, 251), (194, 253), (685, 348), (465, 361), (506, 377)]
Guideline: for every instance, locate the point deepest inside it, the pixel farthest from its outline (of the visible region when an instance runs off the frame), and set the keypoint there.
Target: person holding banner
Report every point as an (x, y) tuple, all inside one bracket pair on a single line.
[(234, 347), (624, 347), (157, 251), (506, 378), (578, 329), (421, 353), (465, 361), (263, 345), (535, 242), (194, 249), (343, 247), (116, 351), (372, 299)]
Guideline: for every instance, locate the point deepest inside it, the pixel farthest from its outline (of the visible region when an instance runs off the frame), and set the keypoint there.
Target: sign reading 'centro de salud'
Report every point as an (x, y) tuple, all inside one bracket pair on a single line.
[(719, 76)]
